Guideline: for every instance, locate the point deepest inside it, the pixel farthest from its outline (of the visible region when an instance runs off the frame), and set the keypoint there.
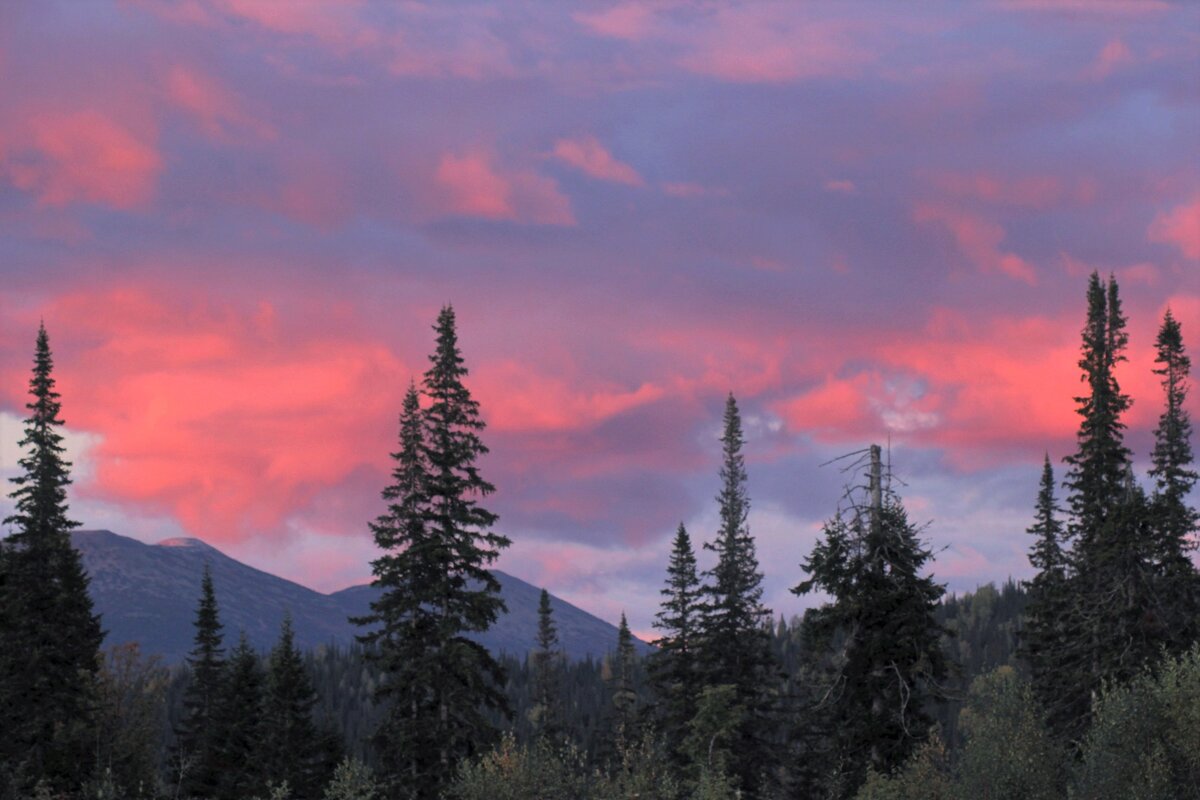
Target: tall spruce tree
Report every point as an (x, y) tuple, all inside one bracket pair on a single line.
[(673, 669), (1096, 478), (293, 748), (241, 736), (1116, 622), (49, 637), (438, 683), (546, 713), (1049, 597), (196, 757), (735, 646), (1174, 477), (404, 626), (876, 647)]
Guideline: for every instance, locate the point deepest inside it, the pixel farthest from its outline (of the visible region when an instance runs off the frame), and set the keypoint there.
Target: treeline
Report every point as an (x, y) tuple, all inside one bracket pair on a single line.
[(1082, 682)]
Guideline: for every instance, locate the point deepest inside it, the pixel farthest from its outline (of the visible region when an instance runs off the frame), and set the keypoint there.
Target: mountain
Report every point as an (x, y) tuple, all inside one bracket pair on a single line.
[(148, 593)]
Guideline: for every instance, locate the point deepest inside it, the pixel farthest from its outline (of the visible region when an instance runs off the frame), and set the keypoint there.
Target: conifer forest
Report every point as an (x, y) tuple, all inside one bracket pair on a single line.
[(1081, 682)]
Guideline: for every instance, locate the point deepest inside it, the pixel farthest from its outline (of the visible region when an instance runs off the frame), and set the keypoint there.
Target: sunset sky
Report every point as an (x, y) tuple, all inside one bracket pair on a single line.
[(239, 218)]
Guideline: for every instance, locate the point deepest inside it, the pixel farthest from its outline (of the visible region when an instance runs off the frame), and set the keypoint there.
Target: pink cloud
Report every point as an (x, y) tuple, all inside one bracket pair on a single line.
[(767, 42), (519, 398), (1180, 227), (625, 21), (978, 239), (83, 156), (835, 408), (473, 186), (423, 40), (231, 386), (587, 155), (974, 387), (219, 111), (840, 186), (1031, 191), (335, 23), (1113, 56), (772, 43)]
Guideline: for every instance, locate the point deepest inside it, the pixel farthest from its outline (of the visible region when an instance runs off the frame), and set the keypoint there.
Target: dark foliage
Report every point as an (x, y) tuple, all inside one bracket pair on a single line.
[(49, 637), (294, 749), (876, 657), (436, 684), (673, 668), (195, 763), (734, 629), (546, 663)]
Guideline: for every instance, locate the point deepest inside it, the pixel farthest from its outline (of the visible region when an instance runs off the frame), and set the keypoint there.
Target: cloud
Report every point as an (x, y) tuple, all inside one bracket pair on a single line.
[(587, 155), (1030, 191), (409, 40), (836, 408), (336, 23), (773, 42), (1180, 227), (1114, 55), (221, 114), (473, 186), (268, 414), (522, 399), (83, 157), (978, 239), (979, 389), (623, 21), (766, 42), (840, 186)]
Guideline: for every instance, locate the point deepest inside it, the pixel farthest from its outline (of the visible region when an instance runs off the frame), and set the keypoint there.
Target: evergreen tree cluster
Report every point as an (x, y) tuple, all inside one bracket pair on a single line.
[(716, 642), (247, 727), (1116, 587)]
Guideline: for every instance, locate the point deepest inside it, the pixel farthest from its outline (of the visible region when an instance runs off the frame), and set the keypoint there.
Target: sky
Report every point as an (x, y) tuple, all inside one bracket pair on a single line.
[(871, 222)]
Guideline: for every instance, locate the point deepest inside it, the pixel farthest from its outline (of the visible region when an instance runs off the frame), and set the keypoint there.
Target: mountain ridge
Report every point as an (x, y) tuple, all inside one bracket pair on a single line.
[(148, 593)]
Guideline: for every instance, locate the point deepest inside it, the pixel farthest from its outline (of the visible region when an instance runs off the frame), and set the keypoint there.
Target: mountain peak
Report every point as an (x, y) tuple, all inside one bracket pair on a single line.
[(184, 541)]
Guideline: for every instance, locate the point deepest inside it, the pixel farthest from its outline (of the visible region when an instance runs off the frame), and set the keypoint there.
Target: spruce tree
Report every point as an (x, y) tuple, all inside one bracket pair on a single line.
[(404, 625), (1049, 598), (546, 713), (735, 646), (293, 747), (241, 736), (672, 667), (49, 637), (624, 687), (1098, 469), (876, 648), (1116, 621), (1174, 477), (196, 759), (438, 684)]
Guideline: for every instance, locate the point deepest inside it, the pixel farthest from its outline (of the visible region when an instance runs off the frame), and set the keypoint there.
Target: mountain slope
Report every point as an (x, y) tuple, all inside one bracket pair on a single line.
[(148, 593)]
